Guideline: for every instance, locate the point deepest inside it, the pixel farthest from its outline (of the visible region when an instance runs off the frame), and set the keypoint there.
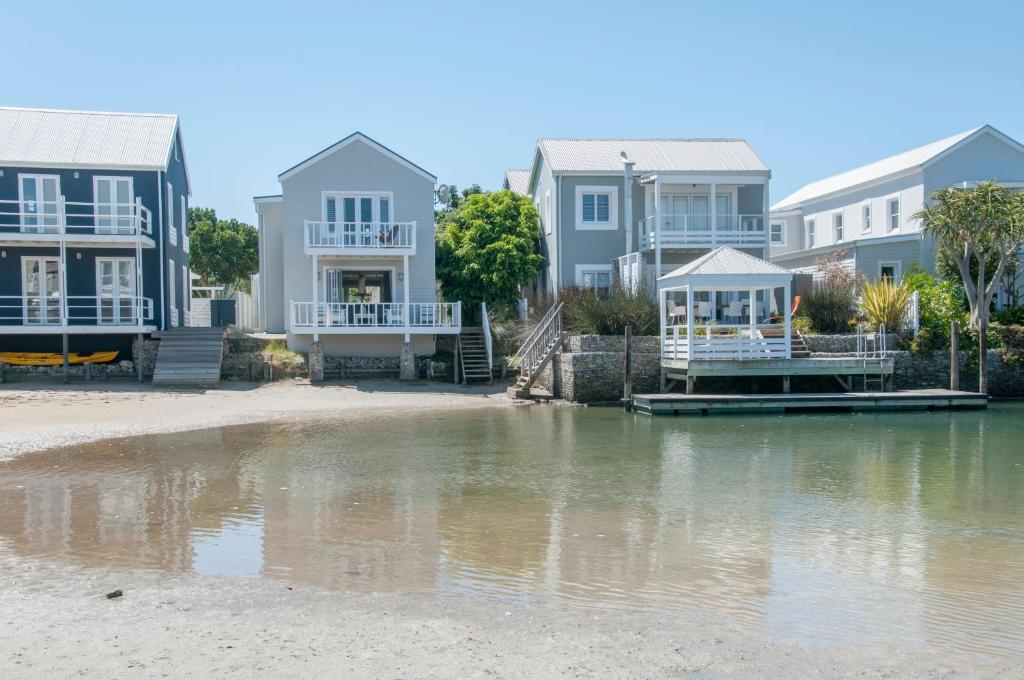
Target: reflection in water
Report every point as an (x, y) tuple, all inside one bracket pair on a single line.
[(889, 527)]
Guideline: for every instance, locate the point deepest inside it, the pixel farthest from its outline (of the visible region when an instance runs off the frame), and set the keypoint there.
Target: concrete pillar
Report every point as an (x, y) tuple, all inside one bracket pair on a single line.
[(407, 362), (316, 362)]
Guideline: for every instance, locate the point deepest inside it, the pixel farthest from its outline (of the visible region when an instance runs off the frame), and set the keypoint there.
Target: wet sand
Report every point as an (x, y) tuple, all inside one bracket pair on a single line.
[(57, 622), (38, 416)]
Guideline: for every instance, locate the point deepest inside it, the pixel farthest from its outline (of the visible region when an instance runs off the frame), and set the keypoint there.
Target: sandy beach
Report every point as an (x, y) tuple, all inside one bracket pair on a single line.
[(39, 416)]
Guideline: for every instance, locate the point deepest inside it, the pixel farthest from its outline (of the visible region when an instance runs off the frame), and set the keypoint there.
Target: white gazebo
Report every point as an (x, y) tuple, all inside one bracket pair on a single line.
[(719, 307)]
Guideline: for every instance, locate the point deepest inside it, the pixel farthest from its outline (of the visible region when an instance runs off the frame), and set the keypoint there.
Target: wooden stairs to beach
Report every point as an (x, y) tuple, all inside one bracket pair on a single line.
[(540, 346), (473, 354), (800, 350), (189, 357)]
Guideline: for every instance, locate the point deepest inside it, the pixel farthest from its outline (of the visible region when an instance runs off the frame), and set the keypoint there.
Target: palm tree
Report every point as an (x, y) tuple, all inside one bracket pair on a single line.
[(977, 226)]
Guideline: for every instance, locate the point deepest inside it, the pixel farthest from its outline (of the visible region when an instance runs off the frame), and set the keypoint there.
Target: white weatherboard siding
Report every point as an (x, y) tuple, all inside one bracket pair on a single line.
[(272, 301), (354, 168), (546, 200)]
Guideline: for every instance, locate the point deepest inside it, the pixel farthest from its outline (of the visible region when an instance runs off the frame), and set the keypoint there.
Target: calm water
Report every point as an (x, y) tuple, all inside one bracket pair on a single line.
[(824, 528)]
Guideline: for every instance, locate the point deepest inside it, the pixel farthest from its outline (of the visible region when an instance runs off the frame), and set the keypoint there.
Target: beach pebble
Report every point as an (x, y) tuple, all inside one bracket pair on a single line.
[(114, 594)]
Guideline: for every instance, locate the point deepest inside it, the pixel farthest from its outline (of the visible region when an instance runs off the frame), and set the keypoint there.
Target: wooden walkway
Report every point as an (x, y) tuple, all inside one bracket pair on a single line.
[(707, 404), (189, 357)]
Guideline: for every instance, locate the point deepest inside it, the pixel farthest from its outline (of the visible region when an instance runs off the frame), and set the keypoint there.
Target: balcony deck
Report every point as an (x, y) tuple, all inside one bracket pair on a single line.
[(695, 231), (360, 238), (343, 318), (34, 223), (78, 314)]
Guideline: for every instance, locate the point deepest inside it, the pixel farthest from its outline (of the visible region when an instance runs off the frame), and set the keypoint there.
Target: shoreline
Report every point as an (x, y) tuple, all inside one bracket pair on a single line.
[(41, 416)]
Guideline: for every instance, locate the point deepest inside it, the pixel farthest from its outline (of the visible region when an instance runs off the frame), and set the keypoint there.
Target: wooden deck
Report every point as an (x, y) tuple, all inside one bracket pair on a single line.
[(706, 404), (802, 366)]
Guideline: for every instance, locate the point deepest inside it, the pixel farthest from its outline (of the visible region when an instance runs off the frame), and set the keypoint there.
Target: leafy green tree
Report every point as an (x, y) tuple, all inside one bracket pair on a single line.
[(488, 248), (975, 228), (223, 252)]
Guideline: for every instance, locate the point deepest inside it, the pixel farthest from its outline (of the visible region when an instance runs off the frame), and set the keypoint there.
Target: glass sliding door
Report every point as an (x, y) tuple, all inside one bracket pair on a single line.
[(357, 219), (114, 201), (40, 203), (115, 287), (40, 281)]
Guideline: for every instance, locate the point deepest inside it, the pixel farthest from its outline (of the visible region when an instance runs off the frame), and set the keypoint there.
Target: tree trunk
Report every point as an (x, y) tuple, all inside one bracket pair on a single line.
[(982, 354)]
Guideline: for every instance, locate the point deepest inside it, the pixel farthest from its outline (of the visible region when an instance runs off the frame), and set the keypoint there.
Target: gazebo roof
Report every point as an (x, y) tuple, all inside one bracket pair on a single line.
[(728, 266)]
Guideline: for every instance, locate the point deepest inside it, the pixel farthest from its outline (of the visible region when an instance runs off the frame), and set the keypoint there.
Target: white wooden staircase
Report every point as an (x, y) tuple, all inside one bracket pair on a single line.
[(544, 341), (189, 357), (799, 348), (476, 366)]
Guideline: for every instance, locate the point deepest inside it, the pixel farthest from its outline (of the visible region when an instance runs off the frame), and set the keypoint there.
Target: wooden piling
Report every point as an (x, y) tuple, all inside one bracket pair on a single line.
[(64, 342), (954, 356), (627, 370)]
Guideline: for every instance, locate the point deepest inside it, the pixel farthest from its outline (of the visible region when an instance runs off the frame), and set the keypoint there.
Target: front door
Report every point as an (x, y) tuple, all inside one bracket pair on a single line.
[(115, 287), (114, 205), (40, 285)]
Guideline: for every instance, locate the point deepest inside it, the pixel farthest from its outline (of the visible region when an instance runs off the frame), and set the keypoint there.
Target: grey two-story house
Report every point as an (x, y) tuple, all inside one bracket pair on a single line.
[(93, 229), (347, 254), (635, 209)]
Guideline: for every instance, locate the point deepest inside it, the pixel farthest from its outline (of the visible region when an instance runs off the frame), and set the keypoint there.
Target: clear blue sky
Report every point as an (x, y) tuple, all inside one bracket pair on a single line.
[(465, 88)]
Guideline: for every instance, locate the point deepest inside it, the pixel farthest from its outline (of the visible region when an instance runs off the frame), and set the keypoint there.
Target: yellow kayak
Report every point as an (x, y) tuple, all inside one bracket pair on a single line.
[(52, 359)]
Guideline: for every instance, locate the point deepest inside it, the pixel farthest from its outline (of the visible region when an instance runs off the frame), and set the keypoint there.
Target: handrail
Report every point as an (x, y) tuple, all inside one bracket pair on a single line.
[(75, 310), (539, 340), (486, 323), (375, 314), (76, 217), (360, 235)]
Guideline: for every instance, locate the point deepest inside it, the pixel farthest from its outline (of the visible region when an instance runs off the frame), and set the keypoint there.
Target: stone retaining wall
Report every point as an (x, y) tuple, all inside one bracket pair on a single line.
[(590, 370), (840, 344)]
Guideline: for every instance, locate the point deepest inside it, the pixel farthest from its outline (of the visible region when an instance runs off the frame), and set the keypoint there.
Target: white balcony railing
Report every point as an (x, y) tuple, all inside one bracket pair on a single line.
[(386, 316), (71, 218), (360, 236), (74, 310), (684, 231), (721, 342)]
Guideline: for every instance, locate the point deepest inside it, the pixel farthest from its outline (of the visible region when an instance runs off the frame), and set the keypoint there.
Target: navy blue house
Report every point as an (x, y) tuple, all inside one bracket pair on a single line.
[(93, 229)]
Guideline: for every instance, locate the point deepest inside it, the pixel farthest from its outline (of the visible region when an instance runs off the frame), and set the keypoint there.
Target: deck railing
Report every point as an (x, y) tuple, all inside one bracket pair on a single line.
[(61, 217), (547, 332), (370, 236), (74, 310), (696, 230), (721, 342), (370, 316)]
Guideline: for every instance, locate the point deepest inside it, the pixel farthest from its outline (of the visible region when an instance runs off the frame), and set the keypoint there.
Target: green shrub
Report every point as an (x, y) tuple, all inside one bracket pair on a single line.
[(590, 313), (1011, 316), (885, 302), (831, 301), (939, 302)]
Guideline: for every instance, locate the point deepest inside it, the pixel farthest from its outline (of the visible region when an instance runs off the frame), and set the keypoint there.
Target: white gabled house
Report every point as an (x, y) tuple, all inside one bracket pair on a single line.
[(347, 254), (868, 212)]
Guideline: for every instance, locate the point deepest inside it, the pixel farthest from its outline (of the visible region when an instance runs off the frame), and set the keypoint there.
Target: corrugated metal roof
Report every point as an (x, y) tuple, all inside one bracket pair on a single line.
[(724, 261), (518, 180), (85, 138), (871, 172), (651, 155)]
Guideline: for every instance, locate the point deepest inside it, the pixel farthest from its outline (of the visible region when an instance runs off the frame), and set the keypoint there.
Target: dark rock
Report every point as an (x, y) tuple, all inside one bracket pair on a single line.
[(114, 594)]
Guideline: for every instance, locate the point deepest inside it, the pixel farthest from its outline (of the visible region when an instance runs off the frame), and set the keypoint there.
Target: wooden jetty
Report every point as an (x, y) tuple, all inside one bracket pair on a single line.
[(904, 400)]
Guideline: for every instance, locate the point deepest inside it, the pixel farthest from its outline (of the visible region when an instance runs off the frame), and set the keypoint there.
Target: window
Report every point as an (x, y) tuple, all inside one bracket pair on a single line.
[(889, 270), (548, 218), (172, 296), (778, 233), (809, 227), (894, 214), (114, 199), (597, 207), (40, 290), (837, 226), (39, 203), (865, 217), (172, 231), (596, 277), (184, 224)]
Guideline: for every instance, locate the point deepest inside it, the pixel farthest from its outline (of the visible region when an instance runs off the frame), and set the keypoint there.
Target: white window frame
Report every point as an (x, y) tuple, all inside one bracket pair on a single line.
[(134, 297), (339, 216), (186, 288), (838, 227), (897, 268), (113, 217), (548, 218), (44, 308), (889, 200), (39, 228), (613, 208), (184, 224), (809, 235), (172, 231), (782, 233), (866, 217), (582, 269), (172, 289)]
